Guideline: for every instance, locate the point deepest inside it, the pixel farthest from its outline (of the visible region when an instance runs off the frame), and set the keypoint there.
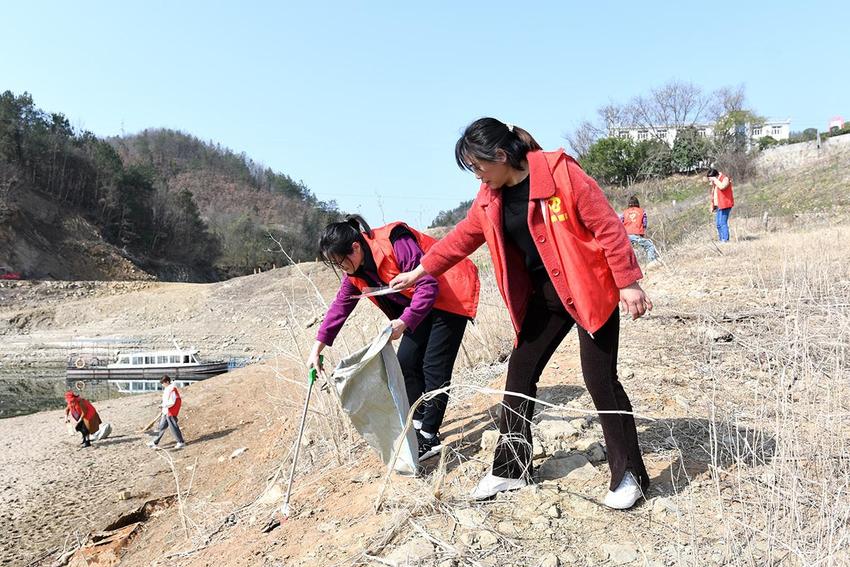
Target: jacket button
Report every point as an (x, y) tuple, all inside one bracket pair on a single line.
[(541, 238), (556, 273), (569, 301)]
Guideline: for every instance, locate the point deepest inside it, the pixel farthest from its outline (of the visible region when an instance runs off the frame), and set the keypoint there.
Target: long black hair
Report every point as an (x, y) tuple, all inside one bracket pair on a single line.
[(485, 136), (338, 237)]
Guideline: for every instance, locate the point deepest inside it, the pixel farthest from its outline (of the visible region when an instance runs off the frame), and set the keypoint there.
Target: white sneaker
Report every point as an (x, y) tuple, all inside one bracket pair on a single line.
[(625, 495), (152, 445), (491, 485), (179, 445)]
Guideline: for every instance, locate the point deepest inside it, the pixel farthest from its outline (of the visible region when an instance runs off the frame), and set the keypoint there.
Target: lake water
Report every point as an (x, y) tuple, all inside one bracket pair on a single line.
[(32, 389)]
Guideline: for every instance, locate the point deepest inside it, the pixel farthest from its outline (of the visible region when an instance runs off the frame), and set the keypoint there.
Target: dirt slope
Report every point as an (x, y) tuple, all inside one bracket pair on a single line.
[(736, 377)]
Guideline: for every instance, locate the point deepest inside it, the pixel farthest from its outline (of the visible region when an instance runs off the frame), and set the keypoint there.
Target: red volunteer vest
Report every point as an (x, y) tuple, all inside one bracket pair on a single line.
[(633, 221), (723, 198), (175, 409), (459, 287)]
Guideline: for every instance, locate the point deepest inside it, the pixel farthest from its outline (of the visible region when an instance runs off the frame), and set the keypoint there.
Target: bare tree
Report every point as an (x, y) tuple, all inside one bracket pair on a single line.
[(583, 137), (676, 104)]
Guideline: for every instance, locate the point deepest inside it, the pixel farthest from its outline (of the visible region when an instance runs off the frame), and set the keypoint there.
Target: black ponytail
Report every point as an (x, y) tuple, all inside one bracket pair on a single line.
[(485, 136), (338, 237)]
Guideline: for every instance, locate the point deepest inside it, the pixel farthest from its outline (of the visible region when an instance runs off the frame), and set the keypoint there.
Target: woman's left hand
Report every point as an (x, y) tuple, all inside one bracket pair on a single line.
[(634, 301), (399, 327)]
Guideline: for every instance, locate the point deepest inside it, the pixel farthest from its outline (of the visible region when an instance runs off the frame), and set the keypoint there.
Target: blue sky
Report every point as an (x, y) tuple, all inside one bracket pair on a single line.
[(364, 101)]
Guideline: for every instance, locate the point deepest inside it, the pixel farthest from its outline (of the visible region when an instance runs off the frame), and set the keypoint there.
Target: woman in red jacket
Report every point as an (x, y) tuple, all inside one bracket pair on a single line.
[(85, 417), (561, 258)]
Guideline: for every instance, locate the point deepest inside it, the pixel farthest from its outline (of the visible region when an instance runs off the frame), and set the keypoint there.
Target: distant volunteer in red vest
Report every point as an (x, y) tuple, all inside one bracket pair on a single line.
[(171, 402), (722, 201), (430, 318), (85, 417), (561, 259), (635, 222)]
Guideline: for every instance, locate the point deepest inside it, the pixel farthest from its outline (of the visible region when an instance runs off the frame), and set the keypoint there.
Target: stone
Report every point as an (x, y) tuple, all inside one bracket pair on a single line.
[(584, 443), (487, 539), (579, 423), (124, 495), (540, 522), (538, 450), (552, 431), (549, 560), (489, 439), (416, 550), (272, 495), (570, 467), (595, 453), (663, 505), (470, 517), (620, 553), (238, 452), (507, 529), (554, 511)]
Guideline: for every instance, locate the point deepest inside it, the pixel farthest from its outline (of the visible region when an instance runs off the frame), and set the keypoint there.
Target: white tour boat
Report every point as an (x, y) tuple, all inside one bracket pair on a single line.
[(139, 372)]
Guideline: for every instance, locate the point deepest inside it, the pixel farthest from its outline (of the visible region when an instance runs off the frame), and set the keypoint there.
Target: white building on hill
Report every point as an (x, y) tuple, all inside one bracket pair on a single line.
[(777, 129)]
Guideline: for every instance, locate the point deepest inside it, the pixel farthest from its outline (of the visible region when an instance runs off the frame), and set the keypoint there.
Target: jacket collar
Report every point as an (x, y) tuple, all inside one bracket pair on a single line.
[(542, 183)]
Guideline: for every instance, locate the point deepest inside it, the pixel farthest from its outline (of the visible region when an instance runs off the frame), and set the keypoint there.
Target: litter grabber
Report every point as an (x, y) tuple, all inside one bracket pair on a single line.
[(283, 513)]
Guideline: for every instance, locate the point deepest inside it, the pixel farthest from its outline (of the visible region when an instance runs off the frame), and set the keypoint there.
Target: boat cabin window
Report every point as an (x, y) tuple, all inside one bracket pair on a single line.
[(124, 360), (161, 359), (174, 358), (137, 360), (149, 359), (185, 359)]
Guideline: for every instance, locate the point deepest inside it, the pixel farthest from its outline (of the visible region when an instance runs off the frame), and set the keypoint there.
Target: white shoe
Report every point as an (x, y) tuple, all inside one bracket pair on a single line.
[(179, 445), (625, 495), (152, 445), (491, 485)]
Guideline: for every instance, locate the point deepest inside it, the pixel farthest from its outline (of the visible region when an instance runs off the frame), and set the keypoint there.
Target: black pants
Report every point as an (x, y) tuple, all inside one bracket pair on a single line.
[(545, 325), (427, 357), (81, 427)]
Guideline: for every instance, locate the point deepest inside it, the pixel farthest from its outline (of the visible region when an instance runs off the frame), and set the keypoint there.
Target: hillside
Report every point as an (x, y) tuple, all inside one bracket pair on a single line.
[(735, 376), (160, 204)]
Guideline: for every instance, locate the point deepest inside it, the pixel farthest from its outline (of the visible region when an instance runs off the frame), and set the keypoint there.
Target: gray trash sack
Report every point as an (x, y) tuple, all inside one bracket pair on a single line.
[(370, 388)]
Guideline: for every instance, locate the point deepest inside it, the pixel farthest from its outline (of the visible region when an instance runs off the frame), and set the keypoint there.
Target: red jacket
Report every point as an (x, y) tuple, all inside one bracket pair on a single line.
[(581, 241), (633, 221), (722, 198), (458, 287)]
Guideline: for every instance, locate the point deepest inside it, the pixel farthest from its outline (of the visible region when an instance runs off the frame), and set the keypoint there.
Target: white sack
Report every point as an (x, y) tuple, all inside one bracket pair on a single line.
[(370, 388)]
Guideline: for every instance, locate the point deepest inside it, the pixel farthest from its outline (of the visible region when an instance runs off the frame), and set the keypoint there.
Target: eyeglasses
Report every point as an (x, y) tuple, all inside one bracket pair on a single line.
[(339, 264)]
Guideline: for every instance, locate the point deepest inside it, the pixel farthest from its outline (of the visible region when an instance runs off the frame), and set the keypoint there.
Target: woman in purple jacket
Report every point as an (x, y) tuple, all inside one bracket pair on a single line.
[(430, 335)]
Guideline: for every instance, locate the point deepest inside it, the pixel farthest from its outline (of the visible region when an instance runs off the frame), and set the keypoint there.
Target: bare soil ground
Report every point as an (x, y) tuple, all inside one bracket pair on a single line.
[(739, 378)]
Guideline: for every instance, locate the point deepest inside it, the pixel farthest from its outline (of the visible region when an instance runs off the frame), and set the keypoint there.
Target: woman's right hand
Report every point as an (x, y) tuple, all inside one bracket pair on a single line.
[(314, 360), (406, 280)]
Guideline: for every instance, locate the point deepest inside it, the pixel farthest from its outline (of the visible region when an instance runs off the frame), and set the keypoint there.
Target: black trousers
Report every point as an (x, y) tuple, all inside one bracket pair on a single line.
[(81, 427), (427, 357), (545, 325)]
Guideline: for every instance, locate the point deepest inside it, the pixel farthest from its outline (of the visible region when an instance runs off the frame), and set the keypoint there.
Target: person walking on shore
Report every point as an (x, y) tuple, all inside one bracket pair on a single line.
[(561, 259), (171, 403)]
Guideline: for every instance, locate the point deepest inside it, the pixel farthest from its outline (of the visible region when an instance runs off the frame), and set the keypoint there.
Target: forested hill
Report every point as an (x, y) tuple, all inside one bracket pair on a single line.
[(241, 201), (158, 204)]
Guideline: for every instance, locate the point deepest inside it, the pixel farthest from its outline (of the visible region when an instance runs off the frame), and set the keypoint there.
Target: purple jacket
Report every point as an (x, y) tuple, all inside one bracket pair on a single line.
[(407, 254)]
